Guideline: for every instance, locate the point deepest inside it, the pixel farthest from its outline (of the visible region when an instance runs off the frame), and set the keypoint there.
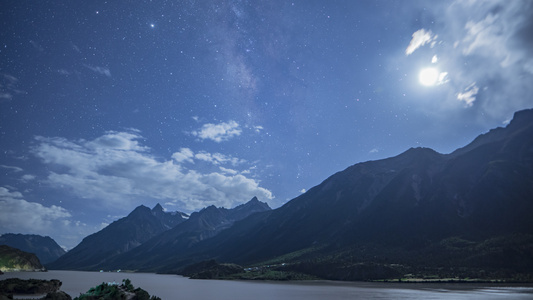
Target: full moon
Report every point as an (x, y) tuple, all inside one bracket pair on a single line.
[(428, 76)]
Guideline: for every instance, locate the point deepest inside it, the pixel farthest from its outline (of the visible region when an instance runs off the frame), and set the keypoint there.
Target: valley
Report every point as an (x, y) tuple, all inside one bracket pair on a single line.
[(418, 216)]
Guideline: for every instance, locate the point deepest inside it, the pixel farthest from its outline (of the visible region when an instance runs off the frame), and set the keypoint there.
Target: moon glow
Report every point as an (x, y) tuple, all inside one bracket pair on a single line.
[(428, 76)]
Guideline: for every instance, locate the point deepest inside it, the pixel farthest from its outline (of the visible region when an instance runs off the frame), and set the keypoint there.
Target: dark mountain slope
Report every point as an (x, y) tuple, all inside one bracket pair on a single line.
[(46, 249), (520, 122), (119, 237), (412, 203), (160, 251), (327, 213), (468, 214)]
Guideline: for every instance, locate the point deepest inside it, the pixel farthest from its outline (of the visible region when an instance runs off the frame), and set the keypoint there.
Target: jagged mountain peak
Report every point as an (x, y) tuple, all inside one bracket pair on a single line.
[(420, 150), (253, 204), (417, 154), (118, 237), (140, 210), (158, 208), (208, 210), (211, 207), (200, 226)]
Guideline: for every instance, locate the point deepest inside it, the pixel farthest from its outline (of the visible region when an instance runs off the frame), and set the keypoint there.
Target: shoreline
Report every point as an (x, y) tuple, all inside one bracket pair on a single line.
[(458, 281), (165, 285)]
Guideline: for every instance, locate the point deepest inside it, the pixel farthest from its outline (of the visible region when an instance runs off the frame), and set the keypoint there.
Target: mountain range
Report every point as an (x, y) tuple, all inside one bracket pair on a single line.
[(135, 242), (421, 213), (118, 237), (46, 249), (470, 209), (166, 248)]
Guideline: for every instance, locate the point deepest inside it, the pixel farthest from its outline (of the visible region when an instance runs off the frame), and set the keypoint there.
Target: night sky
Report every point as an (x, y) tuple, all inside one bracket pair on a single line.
[(107, 105)]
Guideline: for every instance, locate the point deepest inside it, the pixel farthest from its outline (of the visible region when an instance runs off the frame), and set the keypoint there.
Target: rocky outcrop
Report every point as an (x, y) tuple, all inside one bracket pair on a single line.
[(29, 286), (46, 249), (114, 291), (13, 260)]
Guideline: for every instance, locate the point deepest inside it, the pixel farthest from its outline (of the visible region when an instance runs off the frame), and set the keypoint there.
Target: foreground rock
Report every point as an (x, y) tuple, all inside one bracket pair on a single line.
[(14, 286)]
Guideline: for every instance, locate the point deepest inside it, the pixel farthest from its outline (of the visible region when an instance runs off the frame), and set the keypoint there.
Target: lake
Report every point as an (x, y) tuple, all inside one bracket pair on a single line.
[(169, 287)]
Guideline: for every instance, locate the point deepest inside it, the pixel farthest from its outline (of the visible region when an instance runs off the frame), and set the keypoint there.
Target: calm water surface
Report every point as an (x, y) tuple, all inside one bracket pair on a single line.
[(169, 287)]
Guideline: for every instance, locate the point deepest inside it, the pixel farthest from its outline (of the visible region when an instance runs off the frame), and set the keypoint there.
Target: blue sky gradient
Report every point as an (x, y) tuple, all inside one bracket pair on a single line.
[(107, 105)]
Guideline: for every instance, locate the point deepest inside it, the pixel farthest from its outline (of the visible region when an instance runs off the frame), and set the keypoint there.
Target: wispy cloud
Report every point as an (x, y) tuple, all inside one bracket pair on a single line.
[(28, 177), (186, 155), (420, 38), (63, 72), (37, 46), (228, 171), (8, 87), (100, 70), (118, 171), (218, 158), (258, 128), (469, 95), (218, 132), (19, 215), (12, 168)]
